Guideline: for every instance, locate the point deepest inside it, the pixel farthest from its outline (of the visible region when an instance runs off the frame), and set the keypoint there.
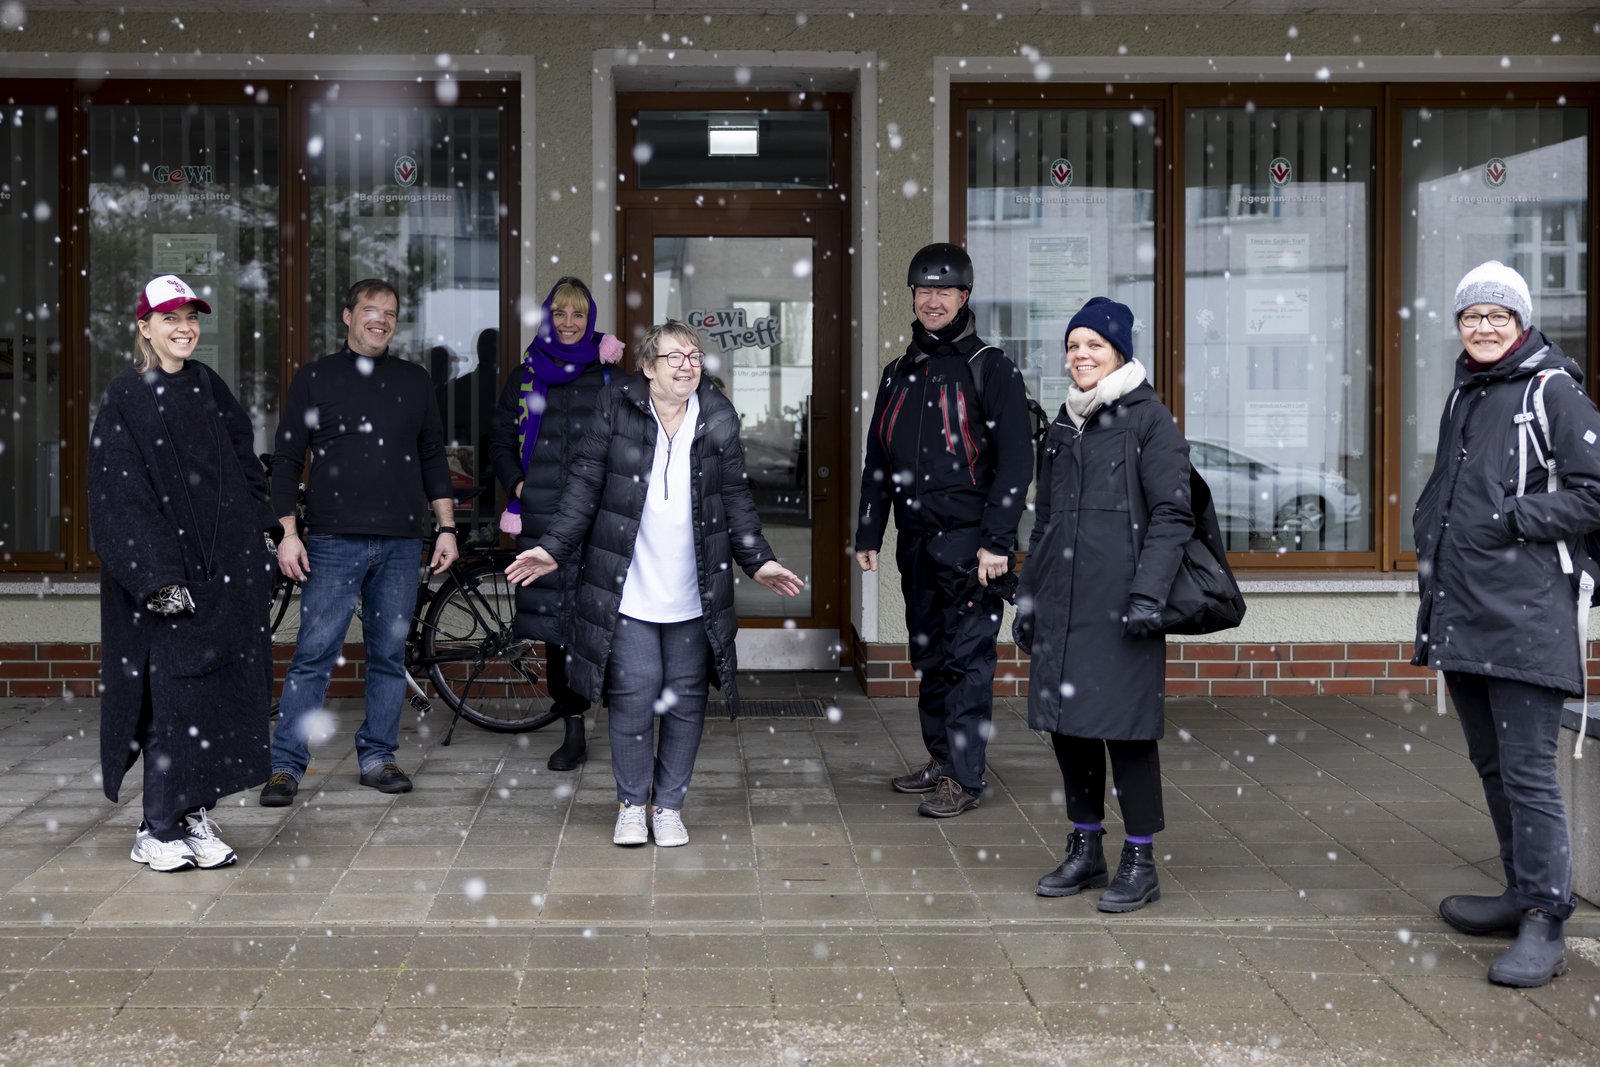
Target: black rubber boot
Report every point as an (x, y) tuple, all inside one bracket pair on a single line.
[(574, 749), (1537, 955), (1482, 915), (1084, 867), (1135, 884)]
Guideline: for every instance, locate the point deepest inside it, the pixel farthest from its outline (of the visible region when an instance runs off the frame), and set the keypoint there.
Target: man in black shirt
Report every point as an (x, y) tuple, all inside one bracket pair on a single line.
[(950, 450), (371, 425)]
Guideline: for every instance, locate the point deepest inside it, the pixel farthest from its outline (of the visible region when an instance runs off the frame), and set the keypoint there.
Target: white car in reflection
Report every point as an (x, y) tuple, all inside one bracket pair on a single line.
[(1298, 505)]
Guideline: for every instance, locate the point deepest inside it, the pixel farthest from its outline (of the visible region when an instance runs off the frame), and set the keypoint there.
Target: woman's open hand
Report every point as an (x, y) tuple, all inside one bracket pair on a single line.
[(530, 566), (778, 578)]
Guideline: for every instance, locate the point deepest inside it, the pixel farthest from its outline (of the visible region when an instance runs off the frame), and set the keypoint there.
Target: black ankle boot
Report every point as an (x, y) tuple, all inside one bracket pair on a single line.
[(1084, 867), (1482, 915), (1135, 884), (574, 749), (1537, 955)]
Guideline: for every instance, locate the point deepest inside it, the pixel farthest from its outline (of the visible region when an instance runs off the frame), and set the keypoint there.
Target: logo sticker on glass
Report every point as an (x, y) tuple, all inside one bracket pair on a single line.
[(1281, 171), (1061, 172), (405, 171), (1495, 173)]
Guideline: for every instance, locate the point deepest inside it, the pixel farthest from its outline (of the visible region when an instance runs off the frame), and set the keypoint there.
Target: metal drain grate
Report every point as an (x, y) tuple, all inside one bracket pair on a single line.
[(791, 708)]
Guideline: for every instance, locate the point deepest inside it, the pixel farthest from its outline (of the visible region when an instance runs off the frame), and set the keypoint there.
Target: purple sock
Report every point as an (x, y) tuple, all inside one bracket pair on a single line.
[(1140, 839), (1086, 827)]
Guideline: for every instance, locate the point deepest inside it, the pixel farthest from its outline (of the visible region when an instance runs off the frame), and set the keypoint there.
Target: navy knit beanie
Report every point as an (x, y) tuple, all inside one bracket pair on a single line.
[(1109, 319)]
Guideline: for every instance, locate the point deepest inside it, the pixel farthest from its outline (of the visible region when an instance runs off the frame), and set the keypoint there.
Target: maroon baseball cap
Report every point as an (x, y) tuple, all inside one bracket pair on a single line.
[(165, 293)]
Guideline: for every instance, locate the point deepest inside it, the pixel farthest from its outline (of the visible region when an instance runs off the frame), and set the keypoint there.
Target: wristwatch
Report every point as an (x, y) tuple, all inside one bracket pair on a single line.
[(451, 530)]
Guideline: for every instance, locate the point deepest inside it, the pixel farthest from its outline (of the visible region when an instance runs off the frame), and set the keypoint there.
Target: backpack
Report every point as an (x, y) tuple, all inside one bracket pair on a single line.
[(1581, 560), (1036, 413)]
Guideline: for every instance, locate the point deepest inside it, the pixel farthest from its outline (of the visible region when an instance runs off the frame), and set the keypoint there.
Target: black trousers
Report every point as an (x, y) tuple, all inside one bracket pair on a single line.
[(1512, 730), (562, 696), (165, 804), (1135, 768), (953, 647)]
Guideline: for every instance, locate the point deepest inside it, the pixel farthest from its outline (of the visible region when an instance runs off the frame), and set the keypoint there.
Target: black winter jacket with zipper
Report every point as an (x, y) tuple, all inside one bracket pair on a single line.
[(1494, 599), (945, 457), (600, 515)]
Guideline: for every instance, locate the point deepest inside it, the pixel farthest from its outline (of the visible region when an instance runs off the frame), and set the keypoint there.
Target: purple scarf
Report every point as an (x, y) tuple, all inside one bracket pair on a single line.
[(549, 362)]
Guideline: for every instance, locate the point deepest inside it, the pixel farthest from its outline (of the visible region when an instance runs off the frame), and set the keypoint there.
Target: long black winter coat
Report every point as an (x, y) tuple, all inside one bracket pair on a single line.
[(947, 458), (545, 608), (1087, 679), (1494, 598), (605, 497), (204, 678)]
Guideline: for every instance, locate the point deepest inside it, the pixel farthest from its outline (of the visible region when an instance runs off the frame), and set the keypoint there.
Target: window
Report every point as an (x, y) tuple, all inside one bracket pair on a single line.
[(1291, 270), (1480, 183)]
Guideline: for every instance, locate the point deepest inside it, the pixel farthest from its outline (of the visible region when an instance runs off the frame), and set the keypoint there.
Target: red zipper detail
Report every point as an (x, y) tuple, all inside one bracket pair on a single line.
[(966, 435), (886, 428), (944, 413)]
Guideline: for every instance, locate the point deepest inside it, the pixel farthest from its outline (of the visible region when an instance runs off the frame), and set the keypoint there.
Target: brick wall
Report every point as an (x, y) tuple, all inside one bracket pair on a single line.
[(61, 670), (1214, 670)]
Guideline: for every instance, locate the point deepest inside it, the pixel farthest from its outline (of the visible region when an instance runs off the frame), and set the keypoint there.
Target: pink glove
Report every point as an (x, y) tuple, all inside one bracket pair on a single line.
[(610, 348)]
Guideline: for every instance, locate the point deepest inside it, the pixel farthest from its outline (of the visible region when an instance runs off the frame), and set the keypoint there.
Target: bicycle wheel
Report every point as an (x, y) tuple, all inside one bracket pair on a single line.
[(284, 610), (479, 666)]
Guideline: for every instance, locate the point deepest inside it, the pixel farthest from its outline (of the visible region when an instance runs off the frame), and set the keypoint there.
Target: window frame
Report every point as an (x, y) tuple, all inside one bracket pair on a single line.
[(293, 99), (1385, 100)]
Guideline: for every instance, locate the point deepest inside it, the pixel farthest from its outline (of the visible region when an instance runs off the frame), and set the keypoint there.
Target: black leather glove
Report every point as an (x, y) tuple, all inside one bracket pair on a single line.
[(1022, 630), (1142, 617)]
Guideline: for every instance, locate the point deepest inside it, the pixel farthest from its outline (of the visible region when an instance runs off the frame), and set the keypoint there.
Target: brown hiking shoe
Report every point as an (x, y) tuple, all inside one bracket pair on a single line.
[(921, 780), (948, 800)]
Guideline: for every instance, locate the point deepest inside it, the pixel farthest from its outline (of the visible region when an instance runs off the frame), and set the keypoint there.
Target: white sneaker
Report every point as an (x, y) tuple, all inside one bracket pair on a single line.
[(200, 834), (668, 825), (164, 856), (631, 828)]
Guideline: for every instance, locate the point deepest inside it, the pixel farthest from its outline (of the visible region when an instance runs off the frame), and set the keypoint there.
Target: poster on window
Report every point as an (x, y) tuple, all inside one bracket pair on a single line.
[(1274, 253), (185, 254), (1280, 310), (1275, 424), (1058, 277)]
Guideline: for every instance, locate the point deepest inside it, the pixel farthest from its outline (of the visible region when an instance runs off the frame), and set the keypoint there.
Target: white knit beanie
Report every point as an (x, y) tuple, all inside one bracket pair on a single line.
[(1495, 283)]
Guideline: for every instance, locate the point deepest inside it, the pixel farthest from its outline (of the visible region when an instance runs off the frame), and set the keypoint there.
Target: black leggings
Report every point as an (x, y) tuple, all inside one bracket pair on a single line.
[(1136, 769)]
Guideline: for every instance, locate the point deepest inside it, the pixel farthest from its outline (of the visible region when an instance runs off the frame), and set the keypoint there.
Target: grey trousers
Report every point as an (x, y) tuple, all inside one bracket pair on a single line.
[(658, 675), (1512, 730)]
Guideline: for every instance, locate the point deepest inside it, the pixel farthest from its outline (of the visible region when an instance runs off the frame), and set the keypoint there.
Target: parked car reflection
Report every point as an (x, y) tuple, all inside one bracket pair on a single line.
[(1299, 506)]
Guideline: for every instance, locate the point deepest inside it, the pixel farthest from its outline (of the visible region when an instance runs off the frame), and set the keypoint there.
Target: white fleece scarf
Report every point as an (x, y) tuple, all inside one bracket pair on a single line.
[(1114, 386)]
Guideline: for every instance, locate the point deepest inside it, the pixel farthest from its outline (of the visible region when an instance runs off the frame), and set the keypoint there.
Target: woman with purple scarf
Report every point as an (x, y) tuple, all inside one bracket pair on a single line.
[(539, 423)]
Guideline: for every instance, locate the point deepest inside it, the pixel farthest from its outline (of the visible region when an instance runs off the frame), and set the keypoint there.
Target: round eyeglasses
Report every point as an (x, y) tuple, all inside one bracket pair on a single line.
[(1470, 320), (675, 359)]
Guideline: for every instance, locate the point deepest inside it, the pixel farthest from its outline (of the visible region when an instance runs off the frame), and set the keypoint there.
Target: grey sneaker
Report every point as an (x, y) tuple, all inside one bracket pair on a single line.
[(668, 827), (200, 834), (632, 829), (163, 856)]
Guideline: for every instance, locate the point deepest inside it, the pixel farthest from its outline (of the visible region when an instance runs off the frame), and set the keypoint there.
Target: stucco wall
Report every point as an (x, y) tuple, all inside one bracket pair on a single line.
[(904, 51)]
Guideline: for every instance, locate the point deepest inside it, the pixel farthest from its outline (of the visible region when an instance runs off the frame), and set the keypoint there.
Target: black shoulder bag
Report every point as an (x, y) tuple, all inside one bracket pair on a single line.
[(1205, 596)]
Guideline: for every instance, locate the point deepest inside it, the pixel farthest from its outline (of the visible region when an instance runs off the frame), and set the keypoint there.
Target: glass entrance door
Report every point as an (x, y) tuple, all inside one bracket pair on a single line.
[(762, 286)]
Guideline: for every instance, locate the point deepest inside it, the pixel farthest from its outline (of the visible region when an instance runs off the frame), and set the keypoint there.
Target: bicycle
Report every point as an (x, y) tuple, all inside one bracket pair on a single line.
[(462, 635)]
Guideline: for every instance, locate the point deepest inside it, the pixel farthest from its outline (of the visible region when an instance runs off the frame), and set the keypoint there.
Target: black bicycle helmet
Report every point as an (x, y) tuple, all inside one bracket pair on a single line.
[(940, 266)]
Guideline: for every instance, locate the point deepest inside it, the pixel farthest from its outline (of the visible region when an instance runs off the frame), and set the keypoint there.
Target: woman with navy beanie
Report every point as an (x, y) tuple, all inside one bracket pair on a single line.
[(545, 409), (1089, 616)]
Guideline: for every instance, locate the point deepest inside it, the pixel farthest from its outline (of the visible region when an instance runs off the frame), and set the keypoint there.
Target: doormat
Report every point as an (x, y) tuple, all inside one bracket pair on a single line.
[(790, 708)]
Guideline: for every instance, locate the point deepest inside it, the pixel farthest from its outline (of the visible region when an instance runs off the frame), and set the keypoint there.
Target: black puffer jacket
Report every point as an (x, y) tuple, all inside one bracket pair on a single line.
[(947, 458), (544, 609), (605, 497), (1087, 679), (1494, 598)]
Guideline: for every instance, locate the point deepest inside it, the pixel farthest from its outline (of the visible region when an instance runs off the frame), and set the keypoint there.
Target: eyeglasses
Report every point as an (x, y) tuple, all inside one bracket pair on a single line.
[(675, 359), (1469, 320)]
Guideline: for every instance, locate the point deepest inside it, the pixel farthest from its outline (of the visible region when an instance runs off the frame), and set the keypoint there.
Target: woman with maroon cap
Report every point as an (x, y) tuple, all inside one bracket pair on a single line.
[(177, 511)]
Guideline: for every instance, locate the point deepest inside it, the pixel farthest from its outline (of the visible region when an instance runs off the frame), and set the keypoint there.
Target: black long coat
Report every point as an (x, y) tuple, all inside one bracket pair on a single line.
[(545, 608), (1087, 679), (605, 497), (204, 679), (1494, 600)]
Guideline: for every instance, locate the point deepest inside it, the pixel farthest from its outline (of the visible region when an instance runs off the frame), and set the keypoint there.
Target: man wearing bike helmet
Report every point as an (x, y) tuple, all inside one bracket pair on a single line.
[(950, 446), (370, 423)]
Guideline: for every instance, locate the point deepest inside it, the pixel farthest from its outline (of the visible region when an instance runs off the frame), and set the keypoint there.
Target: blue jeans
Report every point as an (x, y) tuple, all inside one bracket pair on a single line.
[(658, 671), (381, 573)]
